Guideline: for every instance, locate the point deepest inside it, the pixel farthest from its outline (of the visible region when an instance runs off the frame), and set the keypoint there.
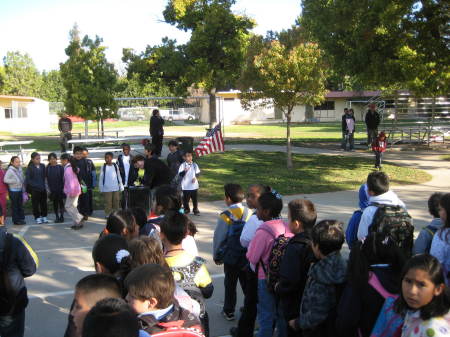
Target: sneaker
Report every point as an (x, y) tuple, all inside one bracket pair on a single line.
[(44, 219), (228, 316), (77, 227), (187, 211), (85, 218), (197, 212), (38, 221), (59, 219)]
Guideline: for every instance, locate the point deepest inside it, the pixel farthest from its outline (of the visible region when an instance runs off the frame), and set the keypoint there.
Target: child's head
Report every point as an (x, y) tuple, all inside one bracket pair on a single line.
[(88, 291), (140, 216), (122, 223), (15, 161), (65, 159), (423, 288), (111, 317), (188, 156), (146, 250), (110, 254), (166, 198), (173, 146), (233, 194), (85, 152), (138, 162), (109, 158), (35, 158), (253, 194), (150, 287), (433, 204), (174, 228), (78, 152), (149, 149), (327, 237), (377, 183), (302, 215), (382, 136), (52, 158), (270, 205), (444, 209), (126, 149)]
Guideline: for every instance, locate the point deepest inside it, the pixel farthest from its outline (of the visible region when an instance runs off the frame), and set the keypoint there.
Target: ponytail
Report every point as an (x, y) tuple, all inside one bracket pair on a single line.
[(33, 155)]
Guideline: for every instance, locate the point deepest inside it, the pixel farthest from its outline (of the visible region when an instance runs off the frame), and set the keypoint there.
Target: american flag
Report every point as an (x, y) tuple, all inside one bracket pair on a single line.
[(213, 142)]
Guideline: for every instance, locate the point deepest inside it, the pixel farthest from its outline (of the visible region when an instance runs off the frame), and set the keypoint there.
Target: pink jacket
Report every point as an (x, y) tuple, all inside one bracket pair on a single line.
[(261, 245), (3, 186), (72, 186)]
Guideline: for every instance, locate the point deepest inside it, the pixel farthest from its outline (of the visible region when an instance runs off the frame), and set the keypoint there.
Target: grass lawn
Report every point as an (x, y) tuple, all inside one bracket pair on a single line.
[(311, 174), (446, 157)]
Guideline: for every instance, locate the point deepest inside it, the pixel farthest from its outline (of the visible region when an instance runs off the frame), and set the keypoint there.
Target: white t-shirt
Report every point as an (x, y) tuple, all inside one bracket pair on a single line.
[(112, 179), (126, 167), (189, 245), (192, 170)]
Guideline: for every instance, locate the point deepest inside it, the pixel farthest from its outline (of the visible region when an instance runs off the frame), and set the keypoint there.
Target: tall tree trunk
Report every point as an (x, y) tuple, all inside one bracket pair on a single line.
[(212, 108), (103, 127), (98, 129), (86, 128), (433, 110), (288, 137)]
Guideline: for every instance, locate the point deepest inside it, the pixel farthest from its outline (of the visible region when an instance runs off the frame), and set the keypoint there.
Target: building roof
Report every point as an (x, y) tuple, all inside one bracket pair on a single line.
[(18, 98), (352, 94)]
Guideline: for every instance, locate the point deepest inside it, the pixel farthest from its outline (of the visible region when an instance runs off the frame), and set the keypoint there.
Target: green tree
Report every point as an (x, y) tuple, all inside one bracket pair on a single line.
[(90, 80), (21, 77), (276, 75), (52, 88)]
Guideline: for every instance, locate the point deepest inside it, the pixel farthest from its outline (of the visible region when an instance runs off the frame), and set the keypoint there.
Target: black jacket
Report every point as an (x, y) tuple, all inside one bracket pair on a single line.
[(55, 178), (344, 123), (156, 126), (20, 265), (294, 267), (156, 173), (65, 125), (372, 119), (86, 167), (122, 169), (174, 161), (360, 309), (35, 177)]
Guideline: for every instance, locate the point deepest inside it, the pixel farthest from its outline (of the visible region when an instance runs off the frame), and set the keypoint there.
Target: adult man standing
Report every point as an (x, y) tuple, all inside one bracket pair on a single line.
[(65, 129), (372, 120), (157, 131)]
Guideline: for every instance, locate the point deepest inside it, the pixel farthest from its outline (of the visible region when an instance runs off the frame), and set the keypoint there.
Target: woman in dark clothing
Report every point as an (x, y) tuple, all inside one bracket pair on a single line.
[(35, 182), (55, 183), (157, 131), (360, 303)]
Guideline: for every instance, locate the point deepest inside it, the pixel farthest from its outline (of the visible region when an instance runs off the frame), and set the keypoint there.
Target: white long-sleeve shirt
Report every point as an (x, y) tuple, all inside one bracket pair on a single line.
[(249, 230), (111, 176)]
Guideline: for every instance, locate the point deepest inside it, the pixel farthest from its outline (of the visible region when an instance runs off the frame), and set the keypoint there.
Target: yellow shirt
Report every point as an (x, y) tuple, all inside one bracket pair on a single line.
[(201, 278)]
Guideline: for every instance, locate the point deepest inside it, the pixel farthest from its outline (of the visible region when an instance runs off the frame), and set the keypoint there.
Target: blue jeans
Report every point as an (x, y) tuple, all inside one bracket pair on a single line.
[(16, 199), (268, 314), (12, 326)]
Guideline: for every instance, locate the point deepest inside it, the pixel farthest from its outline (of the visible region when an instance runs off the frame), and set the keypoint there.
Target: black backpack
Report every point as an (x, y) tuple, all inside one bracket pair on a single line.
[(7, 293), (395, 222)]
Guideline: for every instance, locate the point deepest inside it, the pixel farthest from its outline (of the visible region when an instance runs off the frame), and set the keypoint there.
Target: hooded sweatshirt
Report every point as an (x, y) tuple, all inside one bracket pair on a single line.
[(388, 198), (319, 296), (14, 178)]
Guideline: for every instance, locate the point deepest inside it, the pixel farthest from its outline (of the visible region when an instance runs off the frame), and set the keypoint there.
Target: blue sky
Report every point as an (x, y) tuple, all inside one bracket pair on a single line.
[(40, 27)]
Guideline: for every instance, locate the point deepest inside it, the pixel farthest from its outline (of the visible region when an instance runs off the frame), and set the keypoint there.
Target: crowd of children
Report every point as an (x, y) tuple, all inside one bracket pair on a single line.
[(151, 281)]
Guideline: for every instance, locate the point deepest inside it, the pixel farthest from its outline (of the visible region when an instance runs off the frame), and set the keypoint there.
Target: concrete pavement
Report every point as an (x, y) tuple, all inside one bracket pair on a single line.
[(65, 255)]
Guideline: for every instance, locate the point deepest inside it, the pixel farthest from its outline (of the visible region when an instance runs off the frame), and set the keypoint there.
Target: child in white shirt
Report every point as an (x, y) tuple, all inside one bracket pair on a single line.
[(189, 184), (110, 184)]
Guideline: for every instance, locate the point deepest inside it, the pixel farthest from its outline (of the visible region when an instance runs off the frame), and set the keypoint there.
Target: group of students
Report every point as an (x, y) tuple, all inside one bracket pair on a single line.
[(75, 179), (296, 282)]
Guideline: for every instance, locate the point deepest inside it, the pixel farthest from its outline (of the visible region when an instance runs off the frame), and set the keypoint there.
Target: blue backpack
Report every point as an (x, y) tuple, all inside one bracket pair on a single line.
[(231, 251), (351, 234)]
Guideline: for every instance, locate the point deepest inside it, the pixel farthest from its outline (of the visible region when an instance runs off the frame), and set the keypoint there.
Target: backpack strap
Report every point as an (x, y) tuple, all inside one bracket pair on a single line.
[(104, 174), (431, 229), (376, 284), (117, 174)]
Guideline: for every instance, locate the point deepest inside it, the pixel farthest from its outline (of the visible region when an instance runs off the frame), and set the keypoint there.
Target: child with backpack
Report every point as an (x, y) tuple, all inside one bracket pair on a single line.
[(226, 246), (189, 171), (189, 271), (379, 146), (110, 184), (268, 238), (35, 185), (440, 246), (72, 190), (54, 175), (374, 269), (351, 233), (87, 177), (325, 281), (425, 299), (151, 290), (298, 257), (122, 223), (15, 180), (423, 241), (174, 158)]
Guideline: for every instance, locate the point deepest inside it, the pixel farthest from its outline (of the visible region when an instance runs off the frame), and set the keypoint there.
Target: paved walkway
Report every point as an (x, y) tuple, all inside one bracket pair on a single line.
[(65, 255)]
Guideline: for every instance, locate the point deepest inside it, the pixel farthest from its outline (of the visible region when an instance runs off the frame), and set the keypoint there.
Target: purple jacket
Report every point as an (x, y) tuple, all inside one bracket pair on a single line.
[(3, 186), (72, 186)]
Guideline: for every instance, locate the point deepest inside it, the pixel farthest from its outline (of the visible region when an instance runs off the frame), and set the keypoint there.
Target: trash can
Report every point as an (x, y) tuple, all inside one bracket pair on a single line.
[(185, 143), (138, 196)]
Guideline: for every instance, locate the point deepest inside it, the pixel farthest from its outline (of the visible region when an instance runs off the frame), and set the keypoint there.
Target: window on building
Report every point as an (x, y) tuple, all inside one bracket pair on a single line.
[(22, 112), (327, 105), (229, 99), (8, 113)]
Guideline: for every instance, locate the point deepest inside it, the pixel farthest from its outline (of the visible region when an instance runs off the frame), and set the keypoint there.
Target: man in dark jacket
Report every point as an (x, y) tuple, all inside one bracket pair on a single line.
[(157, 131), (18, 261), (156, 172), (372, 120), (65, 129)]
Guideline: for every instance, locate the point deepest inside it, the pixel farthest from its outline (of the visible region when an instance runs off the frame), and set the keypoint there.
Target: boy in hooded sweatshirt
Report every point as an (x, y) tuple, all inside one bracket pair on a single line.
[(320, 297), (378, 189)]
